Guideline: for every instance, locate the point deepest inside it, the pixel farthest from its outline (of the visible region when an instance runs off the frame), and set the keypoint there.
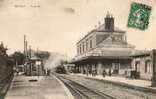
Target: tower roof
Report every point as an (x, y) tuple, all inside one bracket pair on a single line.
[(108, 14)]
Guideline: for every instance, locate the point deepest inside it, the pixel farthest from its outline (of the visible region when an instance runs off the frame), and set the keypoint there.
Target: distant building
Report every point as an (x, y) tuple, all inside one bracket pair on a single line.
[(35, 61), (105, 47), (34, 67)]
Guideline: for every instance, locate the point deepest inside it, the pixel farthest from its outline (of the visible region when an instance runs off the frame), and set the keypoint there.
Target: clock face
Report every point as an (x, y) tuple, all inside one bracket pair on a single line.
[(116, 38), (119, 38)]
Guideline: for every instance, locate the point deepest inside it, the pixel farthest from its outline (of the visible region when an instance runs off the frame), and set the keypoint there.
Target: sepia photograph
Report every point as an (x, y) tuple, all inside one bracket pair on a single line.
[(77, 49)]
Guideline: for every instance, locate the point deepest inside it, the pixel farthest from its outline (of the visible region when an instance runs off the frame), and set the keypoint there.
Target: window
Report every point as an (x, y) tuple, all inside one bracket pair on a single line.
[(137, 66), (86, 46), (90, 43), (116, 67), (80, 49), (147, 66), (83, 47)]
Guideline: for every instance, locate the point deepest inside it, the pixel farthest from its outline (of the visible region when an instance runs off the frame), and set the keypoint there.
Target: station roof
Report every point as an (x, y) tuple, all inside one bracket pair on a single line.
[(141, 53), (99, 58), (101, 28), (104, 54)]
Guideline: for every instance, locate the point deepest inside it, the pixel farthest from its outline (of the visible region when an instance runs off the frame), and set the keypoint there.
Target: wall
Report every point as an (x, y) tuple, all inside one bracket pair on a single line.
[(83, 45), (143, 74)]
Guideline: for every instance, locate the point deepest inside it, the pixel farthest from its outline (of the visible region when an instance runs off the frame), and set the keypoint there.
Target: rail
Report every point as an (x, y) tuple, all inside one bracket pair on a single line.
[(83, 91)]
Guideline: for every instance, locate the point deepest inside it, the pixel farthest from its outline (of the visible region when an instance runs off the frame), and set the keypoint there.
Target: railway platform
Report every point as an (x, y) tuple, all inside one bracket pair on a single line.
[(34, 87), (132, 83)]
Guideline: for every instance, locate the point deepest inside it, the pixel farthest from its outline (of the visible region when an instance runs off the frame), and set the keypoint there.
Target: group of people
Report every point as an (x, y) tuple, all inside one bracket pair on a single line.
[(94, 72), (91, 72), (104, 73)]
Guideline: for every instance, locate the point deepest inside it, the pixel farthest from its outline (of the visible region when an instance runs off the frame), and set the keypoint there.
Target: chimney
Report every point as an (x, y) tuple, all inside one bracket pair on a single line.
[(109, 22)]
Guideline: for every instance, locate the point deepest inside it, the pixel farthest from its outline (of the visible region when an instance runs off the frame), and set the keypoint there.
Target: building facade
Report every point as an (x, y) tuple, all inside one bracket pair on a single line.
[(104, 48), (142, 63)]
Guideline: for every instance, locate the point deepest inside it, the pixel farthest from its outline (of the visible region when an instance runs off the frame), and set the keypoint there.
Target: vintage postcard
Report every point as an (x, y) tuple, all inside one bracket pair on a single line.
[(77, 49)]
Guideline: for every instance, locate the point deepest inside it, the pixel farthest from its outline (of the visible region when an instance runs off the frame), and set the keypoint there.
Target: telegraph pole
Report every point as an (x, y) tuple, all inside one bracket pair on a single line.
[(25, 47), (26, 53), (29, 51), (26, 50), (25, 65), (24, 43)]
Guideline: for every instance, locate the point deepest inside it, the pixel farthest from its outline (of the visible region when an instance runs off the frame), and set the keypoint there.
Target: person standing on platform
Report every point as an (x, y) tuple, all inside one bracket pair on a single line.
[(110, 72), (87, 72), (104, 73)]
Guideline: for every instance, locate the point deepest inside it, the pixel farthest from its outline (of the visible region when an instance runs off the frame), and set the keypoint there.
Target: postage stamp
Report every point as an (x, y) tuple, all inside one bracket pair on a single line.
[(139, 16)]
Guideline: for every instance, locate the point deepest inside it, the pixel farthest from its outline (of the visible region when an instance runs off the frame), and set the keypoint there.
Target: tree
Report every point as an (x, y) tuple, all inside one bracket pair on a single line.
[(43, 55), (3, 50), (18, 58)]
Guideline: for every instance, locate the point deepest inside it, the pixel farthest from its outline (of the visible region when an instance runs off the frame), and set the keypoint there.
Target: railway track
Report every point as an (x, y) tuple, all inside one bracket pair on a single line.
[(83, 92)]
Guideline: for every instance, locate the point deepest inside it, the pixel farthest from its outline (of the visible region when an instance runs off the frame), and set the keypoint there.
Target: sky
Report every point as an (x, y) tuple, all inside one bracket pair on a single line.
[(56, 25)]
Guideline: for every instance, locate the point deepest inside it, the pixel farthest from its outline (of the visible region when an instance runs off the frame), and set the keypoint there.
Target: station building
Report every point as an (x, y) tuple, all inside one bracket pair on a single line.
[(105, 47), (34, 67)]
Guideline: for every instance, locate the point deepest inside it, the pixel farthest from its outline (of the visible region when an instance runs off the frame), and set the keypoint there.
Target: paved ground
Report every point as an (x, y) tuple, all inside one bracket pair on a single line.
[(44, 88)]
